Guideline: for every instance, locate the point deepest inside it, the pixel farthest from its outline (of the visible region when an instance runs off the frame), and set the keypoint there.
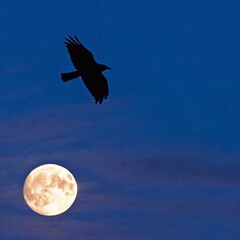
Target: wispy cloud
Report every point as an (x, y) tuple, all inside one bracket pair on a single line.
[(13, 69), (56, 228), (186, 168)]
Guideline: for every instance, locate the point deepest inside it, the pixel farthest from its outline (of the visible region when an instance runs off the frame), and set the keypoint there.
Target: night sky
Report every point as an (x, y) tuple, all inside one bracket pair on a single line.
[(160, 158)]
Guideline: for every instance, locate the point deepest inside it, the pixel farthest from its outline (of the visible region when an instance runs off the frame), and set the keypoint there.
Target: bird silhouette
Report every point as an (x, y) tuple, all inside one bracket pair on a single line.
[(86, 68)]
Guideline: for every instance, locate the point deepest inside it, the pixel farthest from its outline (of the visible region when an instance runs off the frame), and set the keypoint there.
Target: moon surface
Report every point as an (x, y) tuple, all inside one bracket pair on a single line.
[(50, 190)]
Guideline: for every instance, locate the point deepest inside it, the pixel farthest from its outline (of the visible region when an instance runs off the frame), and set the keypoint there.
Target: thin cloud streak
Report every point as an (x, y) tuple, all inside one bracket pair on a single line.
[(13, 69), (55, 228), (179, 168)]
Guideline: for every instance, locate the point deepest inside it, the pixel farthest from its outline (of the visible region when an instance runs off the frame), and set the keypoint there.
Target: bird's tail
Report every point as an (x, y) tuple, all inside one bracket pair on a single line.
[(70, 75)]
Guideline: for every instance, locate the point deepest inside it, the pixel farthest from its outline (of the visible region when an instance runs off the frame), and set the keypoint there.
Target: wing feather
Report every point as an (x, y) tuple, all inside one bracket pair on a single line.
[(97, 85), (80, 56)]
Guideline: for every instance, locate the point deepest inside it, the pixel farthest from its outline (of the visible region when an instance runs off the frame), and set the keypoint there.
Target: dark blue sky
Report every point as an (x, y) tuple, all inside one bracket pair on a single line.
[(160, 159)]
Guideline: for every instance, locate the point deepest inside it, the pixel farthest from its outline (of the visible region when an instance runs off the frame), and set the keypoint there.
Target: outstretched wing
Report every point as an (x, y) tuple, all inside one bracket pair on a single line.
[(80, 56), (97, 85)]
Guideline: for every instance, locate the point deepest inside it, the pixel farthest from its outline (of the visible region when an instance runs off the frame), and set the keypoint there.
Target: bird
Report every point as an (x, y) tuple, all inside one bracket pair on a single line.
[(87, 68)]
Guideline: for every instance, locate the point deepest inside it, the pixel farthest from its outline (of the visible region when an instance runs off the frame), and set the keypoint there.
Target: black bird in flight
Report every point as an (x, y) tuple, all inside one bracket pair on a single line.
[(86, 68)]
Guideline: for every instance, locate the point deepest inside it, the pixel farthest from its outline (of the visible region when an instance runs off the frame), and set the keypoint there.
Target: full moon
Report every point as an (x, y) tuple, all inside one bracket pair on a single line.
[(50, 190)]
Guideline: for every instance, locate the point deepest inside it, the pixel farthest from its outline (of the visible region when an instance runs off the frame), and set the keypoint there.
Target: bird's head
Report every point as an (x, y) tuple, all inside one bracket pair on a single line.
[(103, 67)]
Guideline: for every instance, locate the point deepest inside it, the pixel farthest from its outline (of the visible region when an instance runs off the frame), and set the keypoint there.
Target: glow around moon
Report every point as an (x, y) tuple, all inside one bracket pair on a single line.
[(50, 189)]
